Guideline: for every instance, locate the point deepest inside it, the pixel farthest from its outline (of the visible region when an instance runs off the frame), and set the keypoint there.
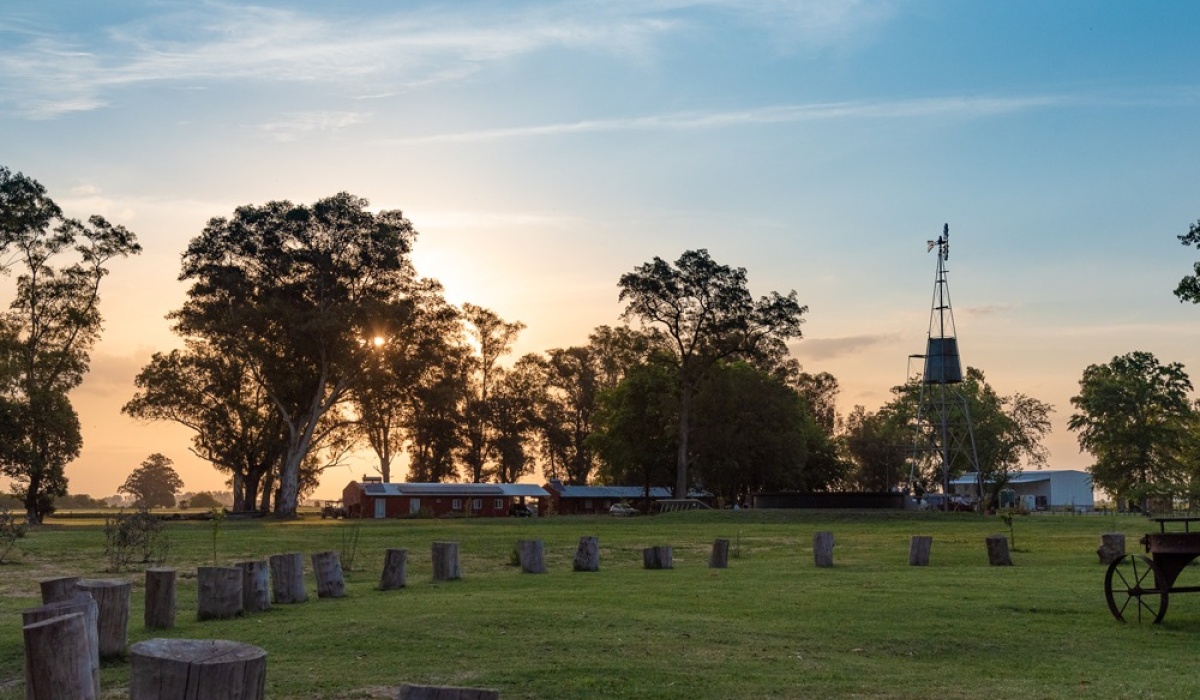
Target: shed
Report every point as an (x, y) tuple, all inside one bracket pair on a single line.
[(591, 500), (1062, 489), (379, 500)]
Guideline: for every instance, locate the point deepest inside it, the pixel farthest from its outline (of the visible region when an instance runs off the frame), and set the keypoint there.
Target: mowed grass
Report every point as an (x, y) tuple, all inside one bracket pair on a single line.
[(772, 625)]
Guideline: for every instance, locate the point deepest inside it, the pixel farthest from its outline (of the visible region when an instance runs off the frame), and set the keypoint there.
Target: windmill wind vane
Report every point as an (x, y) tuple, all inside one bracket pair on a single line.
[(942, 243)]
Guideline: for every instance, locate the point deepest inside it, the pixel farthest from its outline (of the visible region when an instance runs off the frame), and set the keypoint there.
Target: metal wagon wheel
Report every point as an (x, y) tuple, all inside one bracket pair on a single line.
[(1134, 590)]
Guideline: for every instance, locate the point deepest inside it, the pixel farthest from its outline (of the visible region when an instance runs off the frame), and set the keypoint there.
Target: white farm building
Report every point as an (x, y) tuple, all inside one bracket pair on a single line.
[(1064, 489)]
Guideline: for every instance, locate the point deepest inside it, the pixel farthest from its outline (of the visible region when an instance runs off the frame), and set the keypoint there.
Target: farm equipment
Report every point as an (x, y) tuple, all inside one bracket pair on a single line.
[(1138, 587), (333, 509)]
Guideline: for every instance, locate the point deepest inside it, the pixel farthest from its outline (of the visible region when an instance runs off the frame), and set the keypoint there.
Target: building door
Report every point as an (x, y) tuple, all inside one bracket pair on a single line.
[(414, 506), (380, 507)]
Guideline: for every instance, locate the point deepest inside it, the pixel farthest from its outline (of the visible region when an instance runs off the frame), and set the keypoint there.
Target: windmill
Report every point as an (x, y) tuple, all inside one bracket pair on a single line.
[(943, 435)]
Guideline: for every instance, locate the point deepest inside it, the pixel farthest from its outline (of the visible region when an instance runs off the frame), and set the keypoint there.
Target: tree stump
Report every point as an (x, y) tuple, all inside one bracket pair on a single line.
[(533, 556), (587, 555), (160, 599), (218, 592), (997, 549), (658, 557), (196, 669), (256, 585), (112, 603), (327, 566), (441, 692), (395, 570), (81, 603), (823, 549), (56, 589), (445, 561), (918, 550), (719, 558), (287, 578), (58, 659), (1112, 547)]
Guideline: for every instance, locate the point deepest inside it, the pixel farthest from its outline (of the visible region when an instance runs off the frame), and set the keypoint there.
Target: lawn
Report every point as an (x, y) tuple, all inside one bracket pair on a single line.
[(772, 625)]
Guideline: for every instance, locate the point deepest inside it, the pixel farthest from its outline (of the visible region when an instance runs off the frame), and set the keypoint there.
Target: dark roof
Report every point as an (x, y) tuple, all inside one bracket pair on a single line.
[(617, 492), (463, 490)]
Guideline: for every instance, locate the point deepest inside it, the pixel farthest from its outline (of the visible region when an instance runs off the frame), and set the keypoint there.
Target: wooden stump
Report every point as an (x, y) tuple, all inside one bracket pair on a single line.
[(395, 570), (533, 556), (1112, 547), (719, 558), (112, 603), (918, 550), (58, 660), (83, 604), (256, 585), (56, 589), (327, 566), (445, 561), (287, 578), (196, 669), (587, 555), (657, 557), (997, 549), (442, 692), (823, 549), (160, 599), (218, 592)]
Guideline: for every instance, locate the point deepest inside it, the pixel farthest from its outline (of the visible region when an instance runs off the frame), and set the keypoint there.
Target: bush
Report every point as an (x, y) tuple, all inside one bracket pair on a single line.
[(205, 500), (132, 535), (11, 530)]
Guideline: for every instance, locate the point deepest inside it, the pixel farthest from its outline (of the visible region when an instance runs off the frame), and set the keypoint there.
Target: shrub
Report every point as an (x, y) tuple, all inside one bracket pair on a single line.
[(11, 530), (132, 535)]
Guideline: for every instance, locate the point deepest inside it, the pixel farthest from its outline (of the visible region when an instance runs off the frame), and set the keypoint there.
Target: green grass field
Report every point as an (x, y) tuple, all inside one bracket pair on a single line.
[(772, 625)]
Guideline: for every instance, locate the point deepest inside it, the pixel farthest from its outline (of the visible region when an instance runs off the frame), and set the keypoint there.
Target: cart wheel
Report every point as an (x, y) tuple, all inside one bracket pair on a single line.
[(1131, 587)]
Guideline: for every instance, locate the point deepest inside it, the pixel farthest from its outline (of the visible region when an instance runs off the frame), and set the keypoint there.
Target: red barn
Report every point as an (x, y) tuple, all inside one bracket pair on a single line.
[(378, 500)]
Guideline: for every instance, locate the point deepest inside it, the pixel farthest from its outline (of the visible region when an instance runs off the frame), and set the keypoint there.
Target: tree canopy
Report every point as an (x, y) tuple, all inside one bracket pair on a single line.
[(153, 484)]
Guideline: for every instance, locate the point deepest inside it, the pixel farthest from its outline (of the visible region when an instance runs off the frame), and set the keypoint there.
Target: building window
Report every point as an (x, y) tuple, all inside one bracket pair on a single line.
[(477, 504), (456, 504), (499, 504), (587, 505)]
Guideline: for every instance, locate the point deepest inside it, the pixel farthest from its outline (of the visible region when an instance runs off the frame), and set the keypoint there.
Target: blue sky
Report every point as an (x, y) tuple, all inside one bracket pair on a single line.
[(544, 148)]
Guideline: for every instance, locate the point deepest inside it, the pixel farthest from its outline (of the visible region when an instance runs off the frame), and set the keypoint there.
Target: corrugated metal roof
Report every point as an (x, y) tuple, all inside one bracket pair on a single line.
[(1024, 477), (466, 490), (613, 492)]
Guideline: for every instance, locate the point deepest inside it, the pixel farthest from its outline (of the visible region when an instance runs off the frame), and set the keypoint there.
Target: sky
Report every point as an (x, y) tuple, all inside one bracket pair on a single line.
[(544, 148)]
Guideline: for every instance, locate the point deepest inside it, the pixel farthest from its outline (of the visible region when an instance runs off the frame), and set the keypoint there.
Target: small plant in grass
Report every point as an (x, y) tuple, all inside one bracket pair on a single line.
[(11, 530), (218, 517), (350, 531), (134, 537), (1006, 517)]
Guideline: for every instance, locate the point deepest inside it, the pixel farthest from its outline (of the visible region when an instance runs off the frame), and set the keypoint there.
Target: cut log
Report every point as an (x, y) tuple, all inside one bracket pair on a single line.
[(823, 549), (445, 561), (160, 599), (918, 550), (997, 549), (395, 570), (218, 592), (442, 692), (196, 669), (287, 578), (81, 603), (56, 589), (58, 659), (331, 583), (112, 602), (657, 557), (256, 585), (1112, 547), (719, 558), (587, 555), (533, 556)]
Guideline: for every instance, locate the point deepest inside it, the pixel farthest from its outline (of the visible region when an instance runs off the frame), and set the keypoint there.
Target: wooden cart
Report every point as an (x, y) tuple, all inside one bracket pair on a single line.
[(1138, 587)]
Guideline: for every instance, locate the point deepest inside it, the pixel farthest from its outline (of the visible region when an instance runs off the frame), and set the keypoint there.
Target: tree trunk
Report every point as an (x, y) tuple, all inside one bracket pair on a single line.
[(327, 567), (918, 550), (81, 603), (256, 585), (1112, 547), (823, 549), (719, 558), (587, 555), (195, 669), (445, 561), (58, 660), (533, 556), (997, 549), (56, 589), (218, 592), (395, 574), (112, 602), (160, 599), (657, 557), (287, 578), (681, 457)]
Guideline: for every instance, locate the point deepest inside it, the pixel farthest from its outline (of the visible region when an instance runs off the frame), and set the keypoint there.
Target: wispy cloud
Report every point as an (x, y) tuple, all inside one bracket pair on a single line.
[(827, 348), (295, 124)]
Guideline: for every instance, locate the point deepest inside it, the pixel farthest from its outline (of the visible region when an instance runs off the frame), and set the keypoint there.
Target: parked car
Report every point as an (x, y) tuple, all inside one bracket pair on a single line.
[(520, 510), (622, 510)]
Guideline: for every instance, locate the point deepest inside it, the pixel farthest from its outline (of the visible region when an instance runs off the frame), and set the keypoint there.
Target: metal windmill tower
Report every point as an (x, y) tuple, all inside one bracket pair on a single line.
[(944, 437)]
